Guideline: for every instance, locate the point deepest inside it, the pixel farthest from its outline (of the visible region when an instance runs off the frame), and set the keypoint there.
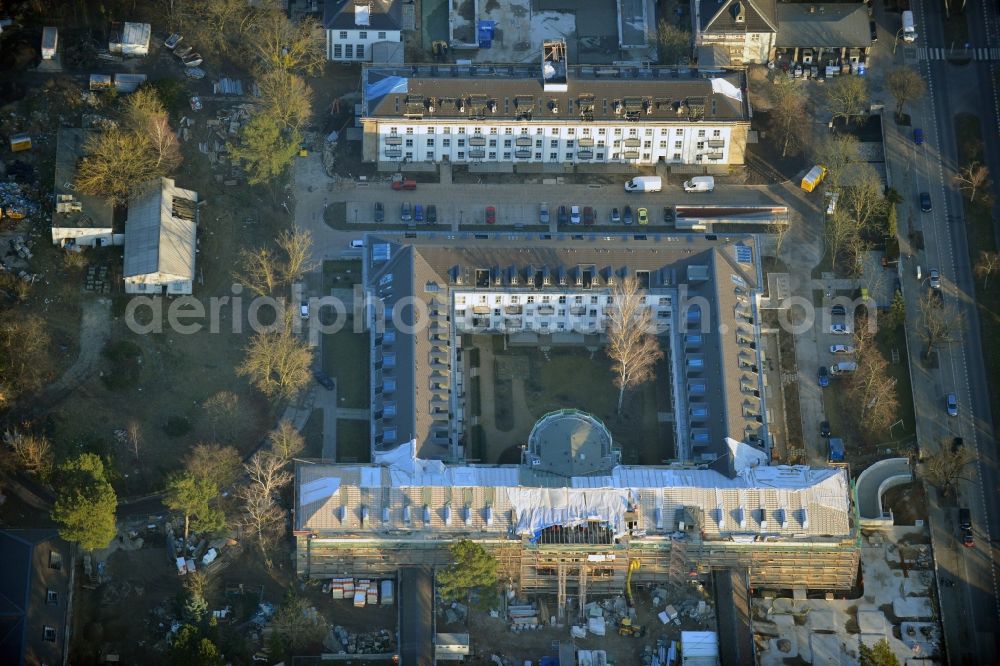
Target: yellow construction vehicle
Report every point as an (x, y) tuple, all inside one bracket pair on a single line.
[(627, 628), (633, 566)]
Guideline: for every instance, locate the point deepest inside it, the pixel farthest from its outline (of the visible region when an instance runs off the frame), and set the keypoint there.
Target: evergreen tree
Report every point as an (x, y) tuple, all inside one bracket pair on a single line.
[(471, 567), (86, 505), (878, 655)]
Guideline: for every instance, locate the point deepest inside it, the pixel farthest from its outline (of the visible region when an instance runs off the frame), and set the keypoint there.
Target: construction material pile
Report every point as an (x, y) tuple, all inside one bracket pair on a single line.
[(342, 641)]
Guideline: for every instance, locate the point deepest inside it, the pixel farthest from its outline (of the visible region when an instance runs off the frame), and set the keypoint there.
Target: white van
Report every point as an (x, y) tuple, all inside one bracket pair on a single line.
[(357, 244), (700, 184), (644, 184), (909, 30), (843, 367)]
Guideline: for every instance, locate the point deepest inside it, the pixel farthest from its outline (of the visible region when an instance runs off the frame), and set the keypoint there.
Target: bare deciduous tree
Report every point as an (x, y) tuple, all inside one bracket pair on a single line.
[(944, 469), (286, 97), (864, 198), (988, 263), (786, 114), (286, 441), (215, 463), (872, 389), (632, 347), (839, 234), (277, 363), (261, 271), (972, 177), (133, 433), (25, 355), (226, 414), (261, 514), (847, 96), (297, 245), (30, 452), (279, 44), (939, 323), (674, 42), (905, 85), (836, 153)]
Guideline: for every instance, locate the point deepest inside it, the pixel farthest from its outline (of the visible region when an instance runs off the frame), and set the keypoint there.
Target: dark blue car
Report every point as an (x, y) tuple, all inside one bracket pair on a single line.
[(824, 376), (918, 135)]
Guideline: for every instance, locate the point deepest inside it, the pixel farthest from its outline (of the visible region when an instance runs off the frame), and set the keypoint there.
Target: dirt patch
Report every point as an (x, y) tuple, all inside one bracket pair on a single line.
[(908, 503)]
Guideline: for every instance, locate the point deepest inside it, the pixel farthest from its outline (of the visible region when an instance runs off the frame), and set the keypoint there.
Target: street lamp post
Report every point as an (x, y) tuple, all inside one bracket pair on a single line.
[(895, 42)]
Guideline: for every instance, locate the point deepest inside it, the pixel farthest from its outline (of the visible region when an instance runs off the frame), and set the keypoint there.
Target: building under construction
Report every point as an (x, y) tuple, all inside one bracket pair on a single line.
[(554, 531)]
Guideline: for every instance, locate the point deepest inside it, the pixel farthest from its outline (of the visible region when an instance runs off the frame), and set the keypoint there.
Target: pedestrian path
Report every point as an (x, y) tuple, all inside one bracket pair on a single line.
[(943, 53)]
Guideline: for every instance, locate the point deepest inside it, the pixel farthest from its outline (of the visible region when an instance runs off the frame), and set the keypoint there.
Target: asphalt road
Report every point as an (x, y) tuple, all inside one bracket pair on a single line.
[(970, 608)]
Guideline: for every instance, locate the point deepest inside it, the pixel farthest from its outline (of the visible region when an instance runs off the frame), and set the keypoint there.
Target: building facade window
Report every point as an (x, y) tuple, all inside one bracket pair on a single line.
[(343, 34), (338, 50), (349, 51), (363, 34), (381, 35), (359, 51)]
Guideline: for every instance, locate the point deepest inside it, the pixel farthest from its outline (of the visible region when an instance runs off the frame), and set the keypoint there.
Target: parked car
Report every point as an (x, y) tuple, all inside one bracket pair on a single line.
[(840, 329), (668, 215), (404, 184), (418, 213), (967, 539), (588, 215), (543, 213), (643, 216), (824, 428), (925, 202), (873, 29), (627, 215), (841, 349), (491, 215), (824, 376), (935, 279), (574, 215), (918, 136), (324, 380), (172, 41), (379, 212), (616, 216), (357, 244), (563, 215), (406, 212), (838, 310), (432, 214), (304, 309), (182, 51), (196, 103), (951, 402)]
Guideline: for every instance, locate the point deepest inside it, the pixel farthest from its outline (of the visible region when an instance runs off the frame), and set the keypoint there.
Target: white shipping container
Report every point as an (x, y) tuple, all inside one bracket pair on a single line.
[(359, 599), (387, 597)]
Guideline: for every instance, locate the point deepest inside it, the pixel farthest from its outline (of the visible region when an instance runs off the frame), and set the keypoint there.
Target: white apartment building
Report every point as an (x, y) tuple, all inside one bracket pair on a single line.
[(353, 27), (510, 114)]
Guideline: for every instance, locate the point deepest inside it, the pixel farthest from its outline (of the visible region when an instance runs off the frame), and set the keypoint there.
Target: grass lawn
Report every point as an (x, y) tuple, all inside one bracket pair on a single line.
[(340, 274), (353, 441), (345, 357), (864, 448), (571, 378), (979, 228)]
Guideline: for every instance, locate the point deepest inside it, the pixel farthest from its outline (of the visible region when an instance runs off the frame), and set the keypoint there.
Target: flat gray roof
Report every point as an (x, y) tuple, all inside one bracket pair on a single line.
[(823, 26), (95, 212)]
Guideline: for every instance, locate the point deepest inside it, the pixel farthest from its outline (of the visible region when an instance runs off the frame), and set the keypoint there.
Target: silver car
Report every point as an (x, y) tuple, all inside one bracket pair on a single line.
[(935, 279)]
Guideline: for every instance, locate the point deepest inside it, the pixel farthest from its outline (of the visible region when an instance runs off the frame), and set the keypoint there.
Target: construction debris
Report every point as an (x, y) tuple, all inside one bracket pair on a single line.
[(341, 641), (228, 86)]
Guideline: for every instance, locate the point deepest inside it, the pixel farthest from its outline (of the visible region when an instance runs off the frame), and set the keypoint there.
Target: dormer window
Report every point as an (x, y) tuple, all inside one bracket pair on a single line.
[(739, 13)]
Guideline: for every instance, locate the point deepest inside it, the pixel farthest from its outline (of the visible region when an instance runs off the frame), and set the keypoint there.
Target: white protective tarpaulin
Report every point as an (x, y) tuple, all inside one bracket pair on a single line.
[(318, 490), (538, 508), (724, 87)]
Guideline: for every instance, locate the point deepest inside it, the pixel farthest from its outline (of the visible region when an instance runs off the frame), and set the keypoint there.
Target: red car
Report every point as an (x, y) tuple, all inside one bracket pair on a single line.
[(404, 184), (491, 215), (588, 215)]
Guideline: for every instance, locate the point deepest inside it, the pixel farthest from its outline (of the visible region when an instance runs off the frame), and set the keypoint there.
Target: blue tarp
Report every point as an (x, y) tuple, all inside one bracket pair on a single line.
[(484, 31), (381, 86), (837, 453)]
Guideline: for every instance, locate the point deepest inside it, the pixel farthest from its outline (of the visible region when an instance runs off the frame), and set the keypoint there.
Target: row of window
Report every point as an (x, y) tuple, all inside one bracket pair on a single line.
[(363, 34), (497, 312), (515, 299), (349, 51), (430, 156), (555, 131), (554, 144)]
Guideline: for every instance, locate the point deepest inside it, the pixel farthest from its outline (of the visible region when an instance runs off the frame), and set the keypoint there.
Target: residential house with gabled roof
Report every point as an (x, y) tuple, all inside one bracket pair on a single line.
[(354, 27), (732, 33), (35, 582), (161, 239)]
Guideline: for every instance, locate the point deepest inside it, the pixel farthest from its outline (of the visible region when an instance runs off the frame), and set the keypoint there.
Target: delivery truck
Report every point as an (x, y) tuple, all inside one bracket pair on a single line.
[(644, 184), (843, 368), (813, 178), (909, 30), (700, 184)]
